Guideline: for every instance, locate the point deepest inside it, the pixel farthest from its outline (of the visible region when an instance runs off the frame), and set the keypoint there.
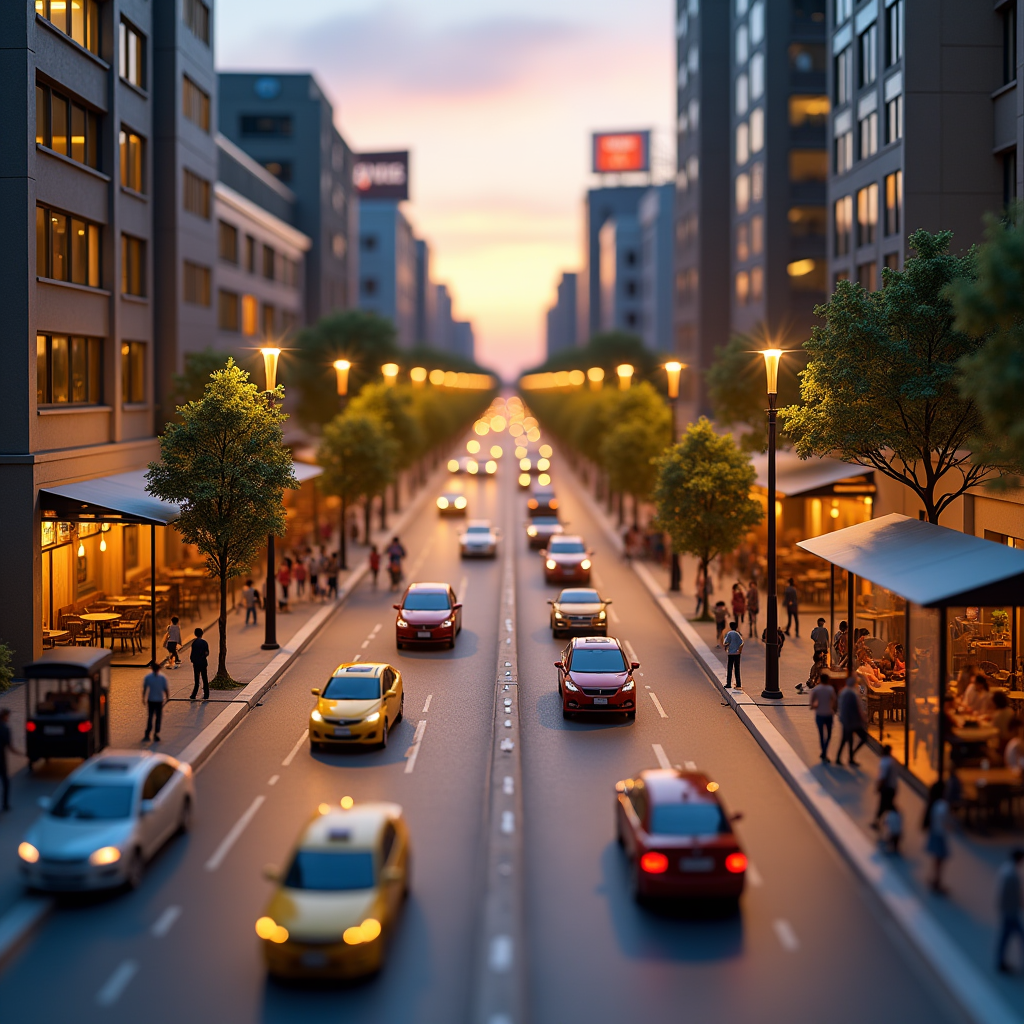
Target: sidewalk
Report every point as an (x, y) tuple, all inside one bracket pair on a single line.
[(961, 926)]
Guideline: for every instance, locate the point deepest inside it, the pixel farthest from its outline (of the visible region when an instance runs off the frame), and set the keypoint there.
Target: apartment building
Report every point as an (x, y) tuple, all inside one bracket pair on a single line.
[(388, 267), (656, 221), (561, 333)]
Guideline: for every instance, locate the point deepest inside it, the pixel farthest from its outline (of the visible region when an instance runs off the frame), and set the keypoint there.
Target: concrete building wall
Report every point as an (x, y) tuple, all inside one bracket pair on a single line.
[(465, 343), (657, 226), (388, 267), (561, 318), (603, 311)]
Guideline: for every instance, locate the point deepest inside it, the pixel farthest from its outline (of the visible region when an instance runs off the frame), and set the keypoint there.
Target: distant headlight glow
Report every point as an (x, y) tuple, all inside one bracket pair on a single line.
[(105, 855), (585, 564), (460, 502), (453, 465), (442, 502), (570, 685), (551, 563), (372, 718), (28, 853)]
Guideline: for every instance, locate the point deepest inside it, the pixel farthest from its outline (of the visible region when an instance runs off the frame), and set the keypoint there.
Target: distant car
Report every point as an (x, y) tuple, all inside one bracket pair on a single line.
[(358, 705), (478, 540), (340, 897), (428, 614), (594, 676), (452, 503), (540, 530), (464, 465), (542, 502), (677, 836), (579, 610), (108, 818), (566, 559)]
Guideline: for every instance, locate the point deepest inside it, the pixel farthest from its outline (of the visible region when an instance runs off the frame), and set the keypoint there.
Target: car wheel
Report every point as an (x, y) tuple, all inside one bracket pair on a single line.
[(315, 747), (451, 644), (566, 714), (398, 644), (133, 874), (631, 715), (401, 709), (185, 821), (384, 736)]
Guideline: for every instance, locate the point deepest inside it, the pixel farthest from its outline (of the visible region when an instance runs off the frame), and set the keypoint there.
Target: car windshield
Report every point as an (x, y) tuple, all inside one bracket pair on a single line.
[(598, 659), (567, 547), (686, 819), (328, 871), (426, 601), (94, 803), (479, 529), (543, 521), (579, 597), (352, 687)]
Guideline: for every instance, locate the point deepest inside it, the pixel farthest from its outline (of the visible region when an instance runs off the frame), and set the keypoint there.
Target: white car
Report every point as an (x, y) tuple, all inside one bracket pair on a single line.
[(108, 818), (479, 539)]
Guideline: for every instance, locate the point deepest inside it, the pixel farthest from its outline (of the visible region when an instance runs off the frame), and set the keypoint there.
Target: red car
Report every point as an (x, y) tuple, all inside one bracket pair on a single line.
[(428, 614), (594, 676), (566, 560), (677, 836)]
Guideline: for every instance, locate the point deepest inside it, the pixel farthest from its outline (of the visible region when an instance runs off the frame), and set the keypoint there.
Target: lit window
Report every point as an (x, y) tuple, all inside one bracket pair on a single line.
[(757, 235), (894, 36), (757, 182), (868, 129), (742, 94), (743, 242), (844, 76), (756, 282), (893, 202), (742, 45), (80, 20), (867, 215), (693, 110), (250, 313), (742, 287), (742, 143), (757, 76), (894, 119), (67, 248), (742, 193), (757, 130), (807, 275), (69, 371), (844, 152), (133, 372), (196, 284), (66, 127), (132, 54), (133, 266), (132, 149), (868, 46), (808, 165), (756, 22), (843, 225), (808, 110)]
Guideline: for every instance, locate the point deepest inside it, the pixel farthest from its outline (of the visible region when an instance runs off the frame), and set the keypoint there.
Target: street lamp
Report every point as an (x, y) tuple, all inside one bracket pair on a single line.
[(342, 366), (673, 369), (270, 358), (771, 690), (418, 376), (625, 373), (596, 377), (390, 371)]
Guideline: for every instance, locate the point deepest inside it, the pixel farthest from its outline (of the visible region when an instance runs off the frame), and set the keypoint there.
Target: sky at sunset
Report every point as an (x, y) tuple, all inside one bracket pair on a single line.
[(496, 100)]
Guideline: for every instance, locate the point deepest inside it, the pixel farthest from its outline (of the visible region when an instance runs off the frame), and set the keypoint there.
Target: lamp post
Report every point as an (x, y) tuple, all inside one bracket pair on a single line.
[(390, 371), (270, 358), (596, 377), (771, 690), (341, 367), (418, 376), (625, 375), (673, 369)]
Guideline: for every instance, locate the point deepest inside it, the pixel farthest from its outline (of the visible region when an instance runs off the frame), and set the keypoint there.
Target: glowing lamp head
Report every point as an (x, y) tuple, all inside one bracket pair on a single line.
[(673, 369), (596, 376), (442, 502), (341, 367), (390, 371), (270, 358), (772, 357), (624, 371), (418, 375)]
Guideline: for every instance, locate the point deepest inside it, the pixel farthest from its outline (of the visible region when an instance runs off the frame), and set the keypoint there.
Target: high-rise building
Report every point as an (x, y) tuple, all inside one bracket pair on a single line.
[(426, 295), (442, 334), (464, 342), (388, 267), (561, 317), (656, 217)]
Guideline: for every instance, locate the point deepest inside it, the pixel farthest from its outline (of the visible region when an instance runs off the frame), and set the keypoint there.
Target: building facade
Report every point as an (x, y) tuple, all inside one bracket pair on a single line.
[(388, 267), (463, 340), (562, 316), (426, 294), (656, 218)]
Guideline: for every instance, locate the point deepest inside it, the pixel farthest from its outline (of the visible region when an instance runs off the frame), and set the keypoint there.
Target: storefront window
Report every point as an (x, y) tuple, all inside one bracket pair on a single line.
[(923, 693)]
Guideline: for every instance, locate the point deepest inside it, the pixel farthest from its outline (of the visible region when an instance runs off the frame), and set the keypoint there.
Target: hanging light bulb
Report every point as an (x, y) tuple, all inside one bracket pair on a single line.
[(103, 543), (81, 550)]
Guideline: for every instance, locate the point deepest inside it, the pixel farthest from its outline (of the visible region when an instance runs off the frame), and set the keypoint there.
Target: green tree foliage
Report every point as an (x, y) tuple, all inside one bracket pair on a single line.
[(6, 666), (190, 385), (703, 495), (880, 388), (608, 350), (992, 307), (392, 405), (736, 387), (225, 465)]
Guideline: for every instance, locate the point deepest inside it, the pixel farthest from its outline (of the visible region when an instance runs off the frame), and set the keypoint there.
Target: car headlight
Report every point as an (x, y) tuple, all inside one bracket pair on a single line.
[(365, 932), (28, 853), (551, 564), (558, 615), (460, 502), (267, 928), (403, 623), (585, 564), (602, 615), (316, 716), (531, 531), (442, 502), (372, 718), (447, 622), (628, 685), (105, 855), (570, 685)]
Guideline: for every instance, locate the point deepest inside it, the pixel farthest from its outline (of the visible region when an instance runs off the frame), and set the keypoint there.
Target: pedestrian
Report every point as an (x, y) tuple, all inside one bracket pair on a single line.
[(753, 607), (299, 575), (155, 693), (698, 584), (6, 743), (199, 656), (720, 614), (851, 718), (1010, 902), (819, 635), (840, 644), (172, 640), (284, 579), (733, 648), (886, 784), (739, 602), (332, 577), (823, 703), (1013, 755), (780, 637), (249, 598), (814, 676), (395, 553), (936, 823), (892, 831), (374, 564), (313, 566), (790, 600)]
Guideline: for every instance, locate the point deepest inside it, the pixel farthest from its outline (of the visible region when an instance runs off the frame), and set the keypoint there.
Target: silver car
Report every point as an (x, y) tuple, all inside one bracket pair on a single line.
[(479, 539), (108, 818)]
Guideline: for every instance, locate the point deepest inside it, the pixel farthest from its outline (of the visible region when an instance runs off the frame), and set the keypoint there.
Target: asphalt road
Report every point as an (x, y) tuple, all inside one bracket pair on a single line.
[(807, 945)]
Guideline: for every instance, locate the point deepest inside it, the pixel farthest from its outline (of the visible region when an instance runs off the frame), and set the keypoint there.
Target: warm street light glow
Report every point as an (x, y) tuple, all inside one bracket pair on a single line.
[(81, 550), (625, 374), (390, 371), (576, 378), (418, 375), (270, 358), (673, 369), (342, 366), (771, 367), (437, 377), (472, 446), (595, 375)]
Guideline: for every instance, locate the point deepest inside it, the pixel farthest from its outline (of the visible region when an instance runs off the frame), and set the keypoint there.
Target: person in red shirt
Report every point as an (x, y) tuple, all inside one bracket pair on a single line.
[(284, 578)]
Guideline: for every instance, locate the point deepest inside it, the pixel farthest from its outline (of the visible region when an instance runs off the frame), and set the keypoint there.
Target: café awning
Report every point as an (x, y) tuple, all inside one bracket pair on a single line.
[(122, 498), (924, 563), (796, 476)]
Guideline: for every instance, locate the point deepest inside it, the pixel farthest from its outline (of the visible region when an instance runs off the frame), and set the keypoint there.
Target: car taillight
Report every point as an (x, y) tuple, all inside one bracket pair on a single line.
[(30, 727), (85, 726), (736, 863), (654, 863)]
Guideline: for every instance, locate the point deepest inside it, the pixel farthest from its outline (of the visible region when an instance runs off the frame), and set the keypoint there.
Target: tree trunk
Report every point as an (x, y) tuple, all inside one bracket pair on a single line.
[(383, 509), (366, 519), (396, 487), (222, 627), (343, 544), (704, 563)]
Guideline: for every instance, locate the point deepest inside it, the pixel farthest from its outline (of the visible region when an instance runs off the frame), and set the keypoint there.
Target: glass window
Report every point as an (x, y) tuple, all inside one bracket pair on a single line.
[(597, 659), (808, 110), (133, 372), (58, 246), (266, 124), (93, 803), (59, 107), (68, 370), (81, 22), (742, 94), (250, 311), (742, 45), (326, 871), (742, 193), (844, 76), (269, 259), (66, 127), (806, 221), (227, 242), (743, 242), (196, 280), (844, 8), (687, 819), (894, 32), (742, 288), (894, 119), (867, 276), (79, 252), (893, 202), (868, 128), (693, 111), (250, 254), (269, 320), (131, 147), (227, 310), (195, 104), (757, 76), (757, 130), (196, 16), (868, 46), (807, 275), (67, 249), (742, 143), (133, 266), (757, 234), (1009, 16), (42, 116), (844, 152), (567, 547), (867, 215), (352, 687), (756, 283), (196, 194), (132, 55), (843, 225), (756, 22), (808, 165), (757, 182), (426, 601)]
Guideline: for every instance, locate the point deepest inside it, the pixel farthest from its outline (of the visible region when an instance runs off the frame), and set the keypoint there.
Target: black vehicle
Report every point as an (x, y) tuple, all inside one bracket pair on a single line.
[(67, 702), (542, 502)]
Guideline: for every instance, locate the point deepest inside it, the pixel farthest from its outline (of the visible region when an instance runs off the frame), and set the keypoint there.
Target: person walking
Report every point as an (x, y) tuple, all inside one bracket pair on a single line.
[(200, 656), (374, 564), (284, 579), (739, 602), (155, 694), (791, 601), (819, 636), (395, 553), (299, 575), (250, 598), (823, 704), (720, 615), (753, 607), (699, 584), (313, 566), (172, 641), (779, 634), (6, 743), (1010, 903), (332, 577), (840, 645), (886, 784), (936, 823), (851, 718), (733, 649)]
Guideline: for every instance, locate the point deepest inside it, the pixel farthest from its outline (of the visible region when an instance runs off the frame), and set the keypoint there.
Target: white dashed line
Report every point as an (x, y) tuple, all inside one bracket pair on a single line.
[(232, 837), (690, 766), (614, 616), (508, 822), (357, 657), (376, 629), (165, 922), (426, 707), (659, 753), (596, 579), (117, 983), (272, 781), (463, 587), (508, 785), (657, 704), (754, 876), (786, 936), (366, 643), (414, 751), (500, 956), (630, 653), (298, 743)]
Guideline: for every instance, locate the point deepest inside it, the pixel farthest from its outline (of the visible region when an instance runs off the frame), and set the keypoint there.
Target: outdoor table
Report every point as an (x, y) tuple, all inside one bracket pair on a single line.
[(53, 635), (130, 602), (1014, 694), (989, 776), (161, 588), (101, 618), (975, 733)]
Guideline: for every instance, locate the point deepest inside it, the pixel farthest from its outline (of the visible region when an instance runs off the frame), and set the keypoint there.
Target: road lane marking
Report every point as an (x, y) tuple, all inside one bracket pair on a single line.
[(357, 657), (630, 653), (376, 629), (786, 936), (232, 837), (298, 743), (508, 822), (508, 786), (117, 983), (414, 750), (165, 922), (754, 876), (657, 704), (659, 753), (614, 615), (597, 580), (426, 706), (690, 766), (366, 643), (272, 781), (500, 958)]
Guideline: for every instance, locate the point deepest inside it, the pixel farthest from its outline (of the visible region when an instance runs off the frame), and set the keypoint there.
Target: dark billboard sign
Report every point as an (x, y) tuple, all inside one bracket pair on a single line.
[(618, 152), (382, 175)]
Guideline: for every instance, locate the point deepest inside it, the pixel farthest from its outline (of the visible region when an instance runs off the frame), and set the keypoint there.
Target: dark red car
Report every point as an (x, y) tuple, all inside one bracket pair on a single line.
[(678, 837), (594, 676), (428, 614)]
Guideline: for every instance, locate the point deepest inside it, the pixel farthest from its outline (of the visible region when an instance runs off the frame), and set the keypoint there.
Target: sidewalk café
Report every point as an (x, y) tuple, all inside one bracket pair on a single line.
[(932, 608)]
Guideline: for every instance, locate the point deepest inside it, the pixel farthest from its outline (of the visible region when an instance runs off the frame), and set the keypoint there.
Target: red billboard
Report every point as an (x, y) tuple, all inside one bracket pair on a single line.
[(618, 152)]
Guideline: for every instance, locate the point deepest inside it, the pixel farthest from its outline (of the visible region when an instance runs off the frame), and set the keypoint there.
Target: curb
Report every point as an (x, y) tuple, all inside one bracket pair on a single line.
[(963, 981), (20, 922)]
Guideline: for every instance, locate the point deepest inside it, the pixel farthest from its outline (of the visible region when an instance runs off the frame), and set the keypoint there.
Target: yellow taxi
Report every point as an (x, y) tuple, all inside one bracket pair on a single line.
[(360, 704), (339, 898)]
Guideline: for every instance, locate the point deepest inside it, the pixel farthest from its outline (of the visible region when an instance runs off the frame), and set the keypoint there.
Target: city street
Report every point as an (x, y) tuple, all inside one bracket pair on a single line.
[(808, 943)]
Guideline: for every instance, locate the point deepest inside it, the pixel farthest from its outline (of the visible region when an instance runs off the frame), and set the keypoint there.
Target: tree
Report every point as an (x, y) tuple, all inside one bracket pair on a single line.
[(356, 453), (992, 306), (880, 388), (703, 496), (225, 465), (391, 405)]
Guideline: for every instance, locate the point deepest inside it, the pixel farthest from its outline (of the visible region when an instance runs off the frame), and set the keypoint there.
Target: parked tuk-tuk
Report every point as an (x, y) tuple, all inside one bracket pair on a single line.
[(67, 703)]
